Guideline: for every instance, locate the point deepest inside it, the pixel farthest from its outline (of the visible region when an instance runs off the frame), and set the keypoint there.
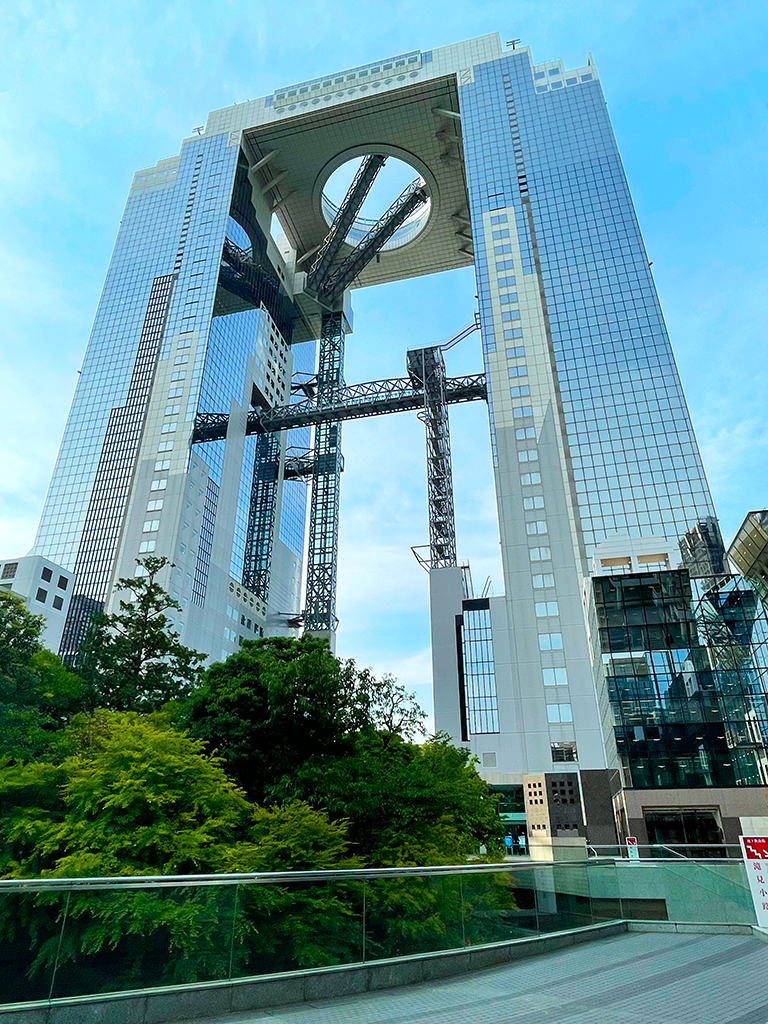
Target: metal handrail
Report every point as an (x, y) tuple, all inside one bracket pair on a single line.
[(245, 878), (287, 877)]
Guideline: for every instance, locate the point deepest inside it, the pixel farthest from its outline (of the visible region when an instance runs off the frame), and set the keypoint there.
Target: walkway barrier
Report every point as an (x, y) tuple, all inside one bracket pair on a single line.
[(695, 851), (64, 940)]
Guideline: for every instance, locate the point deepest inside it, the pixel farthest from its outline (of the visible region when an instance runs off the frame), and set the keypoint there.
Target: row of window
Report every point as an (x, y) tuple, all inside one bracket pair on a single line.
[(42, 597), (155, 504)]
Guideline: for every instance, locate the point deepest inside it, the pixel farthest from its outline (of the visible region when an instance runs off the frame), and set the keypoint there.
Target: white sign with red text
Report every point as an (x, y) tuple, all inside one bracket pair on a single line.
[(755, 852)]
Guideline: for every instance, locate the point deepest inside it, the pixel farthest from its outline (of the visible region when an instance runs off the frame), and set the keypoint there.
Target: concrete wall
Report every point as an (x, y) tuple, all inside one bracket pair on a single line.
[(733, 803)]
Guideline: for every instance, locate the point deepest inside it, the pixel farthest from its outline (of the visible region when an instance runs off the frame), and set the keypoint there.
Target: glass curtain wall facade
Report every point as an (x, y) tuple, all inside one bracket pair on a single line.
[(590, 432), (177, 333), (685, 663)]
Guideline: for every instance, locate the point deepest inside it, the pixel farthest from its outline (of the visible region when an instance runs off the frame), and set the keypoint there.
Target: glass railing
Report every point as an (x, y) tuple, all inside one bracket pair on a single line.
[(76, 937), (664, 851)]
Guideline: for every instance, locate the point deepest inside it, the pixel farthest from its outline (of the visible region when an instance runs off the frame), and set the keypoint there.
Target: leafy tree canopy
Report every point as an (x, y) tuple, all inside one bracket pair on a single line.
[(279, 702), (133, 795), (37, 693), (407, 804), (132, 659), (19, 634), (292, 722)]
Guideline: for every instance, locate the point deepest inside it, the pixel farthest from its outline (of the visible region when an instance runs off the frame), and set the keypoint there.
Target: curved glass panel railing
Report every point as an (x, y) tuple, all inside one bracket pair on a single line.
[(77, 937)]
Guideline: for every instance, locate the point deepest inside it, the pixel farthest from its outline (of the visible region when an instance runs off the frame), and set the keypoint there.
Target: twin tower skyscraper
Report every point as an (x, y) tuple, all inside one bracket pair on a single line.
[(206, 425)]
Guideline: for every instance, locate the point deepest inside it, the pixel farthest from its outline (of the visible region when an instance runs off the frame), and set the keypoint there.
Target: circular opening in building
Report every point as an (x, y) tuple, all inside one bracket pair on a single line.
[(391, 181)]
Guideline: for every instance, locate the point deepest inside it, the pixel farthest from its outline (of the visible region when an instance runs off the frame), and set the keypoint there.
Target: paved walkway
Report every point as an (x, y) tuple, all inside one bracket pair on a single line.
[(639, 978)]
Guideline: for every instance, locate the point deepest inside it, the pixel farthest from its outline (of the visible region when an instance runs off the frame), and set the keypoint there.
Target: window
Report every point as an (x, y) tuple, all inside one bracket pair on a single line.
[(46, 575), (169, 428), (551, 642), (146, 546), (526, 479), (178, 375), (9, 570), (501, 233), (540, 554), (537, 501), (176, 392), (165, 446), (505, 265), (545, 580), (513, 332), (184, 343), (162, 464), (555, 676), (63, 583), (171, 410), (516, 353), (559, 713), (554, 71), (158, 485), (533, 528), (58, 603), (539, 74), (499, 250), (564, 751), (506, 282), (528, 455), (546, 608), (180, 360), (518, 371), (508, 297), (41, 595), (571, 81), (510, 314), (522, 392), (500, 218), (521, 411), (586, 78), (155, 506), (151, 525), (525, 432)]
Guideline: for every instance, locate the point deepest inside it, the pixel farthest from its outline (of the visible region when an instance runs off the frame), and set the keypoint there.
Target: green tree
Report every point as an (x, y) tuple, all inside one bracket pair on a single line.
[(132, 659), (132, 795), (37, 693), (407, 804), (275, 704), (19, 634)]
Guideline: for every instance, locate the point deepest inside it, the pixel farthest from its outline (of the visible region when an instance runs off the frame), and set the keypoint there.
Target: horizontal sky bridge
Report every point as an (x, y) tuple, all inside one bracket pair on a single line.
[(375, 398)]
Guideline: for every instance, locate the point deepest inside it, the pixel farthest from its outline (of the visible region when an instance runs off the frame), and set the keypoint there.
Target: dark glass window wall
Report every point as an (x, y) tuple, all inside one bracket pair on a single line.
[(686, 667)]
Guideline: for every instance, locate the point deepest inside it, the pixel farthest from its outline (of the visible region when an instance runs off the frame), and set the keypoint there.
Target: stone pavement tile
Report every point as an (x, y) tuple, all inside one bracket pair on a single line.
[(650, 977)]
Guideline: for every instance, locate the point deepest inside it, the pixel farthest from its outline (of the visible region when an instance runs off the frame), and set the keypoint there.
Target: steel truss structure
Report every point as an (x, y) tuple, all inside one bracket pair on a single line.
[(345, 217), (427, 390), (257, 562), (356, 401), (414, 196), (329, 402), (322, 552), (426, 368)]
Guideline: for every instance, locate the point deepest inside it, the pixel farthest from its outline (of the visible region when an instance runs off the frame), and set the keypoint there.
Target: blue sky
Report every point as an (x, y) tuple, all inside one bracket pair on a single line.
[(89, 92)]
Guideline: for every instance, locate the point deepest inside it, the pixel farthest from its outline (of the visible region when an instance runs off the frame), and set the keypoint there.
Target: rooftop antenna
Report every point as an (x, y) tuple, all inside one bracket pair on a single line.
[(513, 43), (486, 587), (199, 130)]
